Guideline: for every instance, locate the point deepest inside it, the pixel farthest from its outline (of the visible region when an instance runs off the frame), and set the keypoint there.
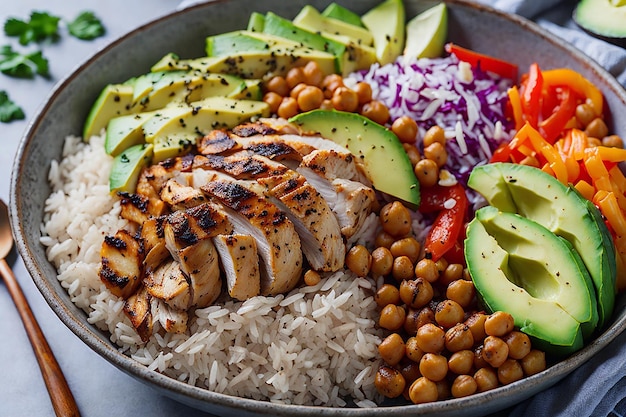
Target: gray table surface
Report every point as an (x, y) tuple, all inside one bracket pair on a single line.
[(100, 389)]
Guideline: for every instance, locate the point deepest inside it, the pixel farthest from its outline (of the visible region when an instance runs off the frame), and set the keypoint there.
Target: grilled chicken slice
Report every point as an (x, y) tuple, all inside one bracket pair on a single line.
[(331, 164), (240, 262), (169, 283), (199, 262), (137, 309), (153, 238), (152, 179), (187, 227), (180, 196), (121, 260), (171, 319), (252, 214), (138, 208)]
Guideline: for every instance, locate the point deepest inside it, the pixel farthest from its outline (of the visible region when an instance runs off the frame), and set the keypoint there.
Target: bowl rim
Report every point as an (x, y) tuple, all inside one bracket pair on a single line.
[(199, 397)]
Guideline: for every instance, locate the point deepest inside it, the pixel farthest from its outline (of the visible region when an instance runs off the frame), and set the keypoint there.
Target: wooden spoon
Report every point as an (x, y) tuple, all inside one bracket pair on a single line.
[(60, 394)]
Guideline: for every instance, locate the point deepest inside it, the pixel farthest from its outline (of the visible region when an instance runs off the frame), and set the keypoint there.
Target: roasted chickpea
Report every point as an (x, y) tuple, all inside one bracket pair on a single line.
[(430, 338), (384, 240), (345, 99), (413, 153), (416, 293), (402, 268), (495, 351), (407, 246), (436, 152), (476, 323), (499, 323), (312, 277), (441, 265), (412, 349), (597, 128), (277, 85), (519, 344), (273, 100), (288, 108), (295, 76), (359, 260), (392, 349), (392, 317), (427, 269), (329, 90), (387, 294), (448, 313), (427, 172), (534, 362), (434, 135), (310, 98), (330, 79), (510, 371), (423, 390), (295, 92), (410, 371), (443, 389), (461, 291), (326, 104), (405, 129), (416, 318), (463, 386), (376, 111), (389, 382), (486, 379), (613, 141), (313, 74), (364, 92), (461, 362), (395, 219), (584, 114), (479, 359), (434, 366), (459, 337), (592, 142), (451, 273), (382, 261)]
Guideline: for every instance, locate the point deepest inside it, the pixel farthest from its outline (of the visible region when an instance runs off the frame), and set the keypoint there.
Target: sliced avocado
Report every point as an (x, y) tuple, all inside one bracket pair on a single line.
[(310, 19), (172, 145), (386, 22), (538, 196), (144, 84), (124, 132), (378, 148), (520, 267), (604, 18), (114, 100), (248, 90), (427, 32), (233, 42), (338, 12), (127, 166), (256, 22)]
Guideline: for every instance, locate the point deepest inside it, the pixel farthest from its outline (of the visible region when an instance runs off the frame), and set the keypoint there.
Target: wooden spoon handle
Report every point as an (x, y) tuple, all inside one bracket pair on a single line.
[(62, 399)]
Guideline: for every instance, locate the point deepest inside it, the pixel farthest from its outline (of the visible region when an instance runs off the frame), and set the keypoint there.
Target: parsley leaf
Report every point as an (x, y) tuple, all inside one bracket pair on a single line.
[(20, 65), (9, 111), (41, 26), (86, 26)]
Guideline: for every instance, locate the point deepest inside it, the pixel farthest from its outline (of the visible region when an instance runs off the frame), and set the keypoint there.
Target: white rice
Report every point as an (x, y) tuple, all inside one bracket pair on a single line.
[(316, 345)]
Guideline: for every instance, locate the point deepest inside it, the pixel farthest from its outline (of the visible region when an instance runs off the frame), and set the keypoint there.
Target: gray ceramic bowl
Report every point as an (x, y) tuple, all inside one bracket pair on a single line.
[(183, 32)]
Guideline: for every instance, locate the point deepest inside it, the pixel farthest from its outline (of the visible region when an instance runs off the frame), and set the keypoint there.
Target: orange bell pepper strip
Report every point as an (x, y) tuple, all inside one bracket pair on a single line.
[(547, 151), (607, 202), (585, 189), (579, 84), (516, 107)]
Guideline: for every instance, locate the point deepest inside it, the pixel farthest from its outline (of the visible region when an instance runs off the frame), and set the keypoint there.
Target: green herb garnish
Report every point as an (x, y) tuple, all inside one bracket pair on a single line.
[(21, 65), (41, 26), (9, 111), (86, 26)]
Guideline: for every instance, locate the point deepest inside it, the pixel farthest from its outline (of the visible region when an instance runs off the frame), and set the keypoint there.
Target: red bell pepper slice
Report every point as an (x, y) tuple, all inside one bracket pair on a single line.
[(488, 63), (445, 231), (531, 95), (561, 114)]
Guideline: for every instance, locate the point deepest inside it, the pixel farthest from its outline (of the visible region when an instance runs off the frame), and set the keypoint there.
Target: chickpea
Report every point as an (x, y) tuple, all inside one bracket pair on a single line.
[(597, 128), (499, 323), (313, 74), (359, 260), (387, 294), (436, 152), (461, 291), (448, 313), (592, 142), (382, 261), (329, 90), (417, 318), (430, 338), (295, 92), (479, 358), (423, 390), (534, 362), (427, 172), (486, 379), (443, 389), (273, 100), (392, 349), (405, 129), (395, 219), (416, 293), (345, 99), (312, 277), (613, 141), (410, 371), (459, 337), (364, 92), (277, 85), (476, 323), (376, 111), (412, 349), (384, 240), (510, 371), (427, 269), (434, 366), (330, 79), (288, 108), (495, 351), (326, 104), (392, 317), (584, 114), (310, 98), (389, 382), (407, 246), (461, 362), (413, 153), (434, 134), (519, 344), (463, 386), (402, 268), (295, 76), (451, 273), (441, 265)]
